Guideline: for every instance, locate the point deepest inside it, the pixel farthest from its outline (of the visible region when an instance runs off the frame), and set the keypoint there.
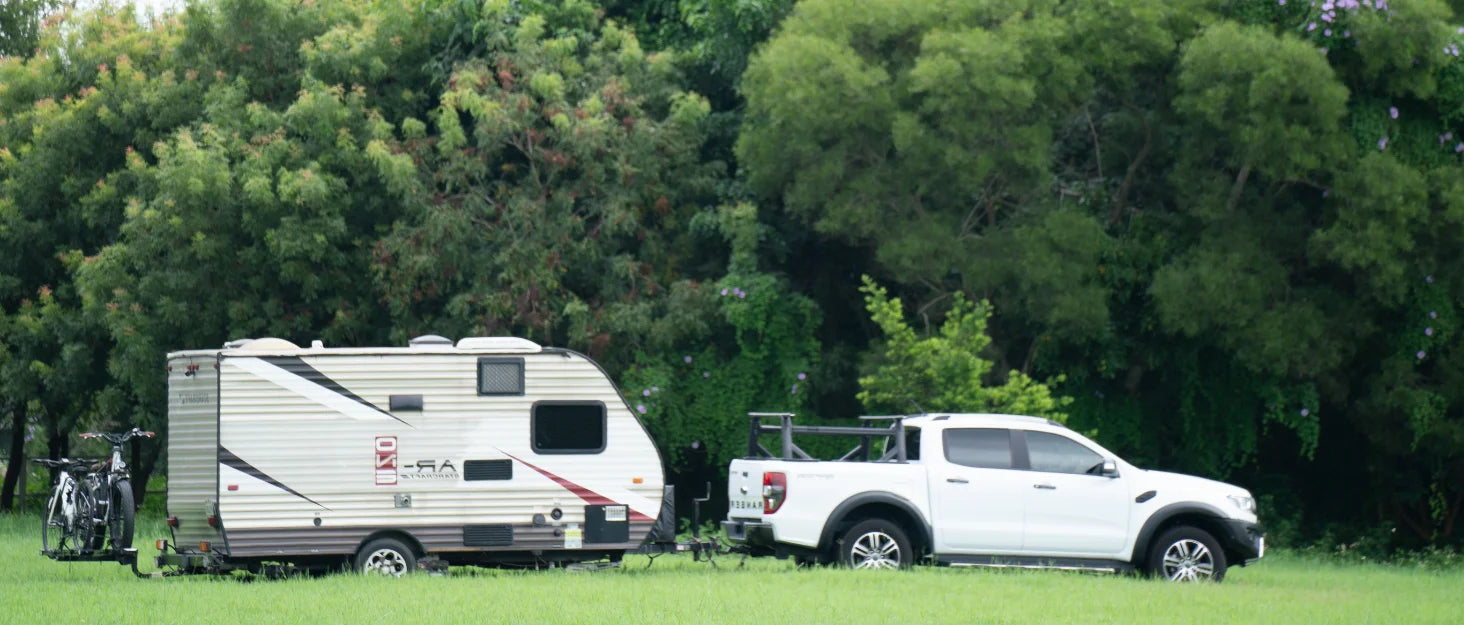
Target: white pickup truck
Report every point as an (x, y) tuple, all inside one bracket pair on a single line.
[(983, 490)]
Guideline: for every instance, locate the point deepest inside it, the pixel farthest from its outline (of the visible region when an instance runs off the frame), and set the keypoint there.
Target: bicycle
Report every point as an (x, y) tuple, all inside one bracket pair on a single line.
[(98, 504), (69, 511)]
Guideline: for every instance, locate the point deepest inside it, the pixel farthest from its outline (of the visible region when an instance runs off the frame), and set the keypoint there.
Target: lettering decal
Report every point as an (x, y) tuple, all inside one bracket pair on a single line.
[(386, 460)]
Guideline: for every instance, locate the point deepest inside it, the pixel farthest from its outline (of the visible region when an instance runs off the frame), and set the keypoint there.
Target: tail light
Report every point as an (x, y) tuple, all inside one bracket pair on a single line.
[(204, 546), (213, 520), (172, 521), (775, 491), (162, 545)]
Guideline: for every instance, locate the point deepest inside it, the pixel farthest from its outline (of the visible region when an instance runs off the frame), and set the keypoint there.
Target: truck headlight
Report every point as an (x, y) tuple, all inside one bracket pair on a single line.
[(1247, 504)]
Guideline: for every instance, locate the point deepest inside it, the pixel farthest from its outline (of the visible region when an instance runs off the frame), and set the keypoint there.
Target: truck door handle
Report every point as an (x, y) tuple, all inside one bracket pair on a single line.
[(958, 480), (1044, 486)]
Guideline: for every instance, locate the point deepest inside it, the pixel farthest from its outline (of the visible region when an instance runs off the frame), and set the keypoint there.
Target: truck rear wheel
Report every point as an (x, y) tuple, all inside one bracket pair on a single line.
[(876, 544), (386, 556)]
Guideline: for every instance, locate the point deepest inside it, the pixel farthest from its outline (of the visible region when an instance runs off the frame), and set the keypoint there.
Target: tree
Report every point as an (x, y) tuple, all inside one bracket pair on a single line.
[(20, 25), (945, 372)]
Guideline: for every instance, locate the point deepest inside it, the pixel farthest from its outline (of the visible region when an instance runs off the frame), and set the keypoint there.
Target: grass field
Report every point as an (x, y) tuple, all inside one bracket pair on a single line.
[(676, 590)]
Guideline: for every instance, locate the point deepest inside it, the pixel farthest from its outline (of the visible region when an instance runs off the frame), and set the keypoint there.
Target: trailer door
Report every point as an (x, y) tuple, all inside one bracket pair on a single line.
[(193, 447)]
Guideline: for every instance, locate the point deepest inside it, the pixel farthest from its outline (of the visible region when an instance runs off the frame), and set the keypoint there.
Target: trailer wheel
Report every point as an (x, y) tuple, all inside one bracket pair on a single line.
[(386, 556), (876, 544)]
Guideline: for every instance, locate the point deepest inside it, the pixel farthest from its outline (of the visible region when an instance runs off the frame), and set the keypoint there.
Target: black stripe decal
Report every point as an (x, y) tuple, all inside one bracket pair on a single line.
[(297, 366), (228, 458)]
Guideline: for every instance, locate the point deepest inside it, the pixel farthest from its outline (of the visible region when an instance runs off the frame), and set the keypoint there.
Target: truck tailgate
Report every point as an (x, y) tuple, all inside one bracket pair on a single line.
[(744, 489)]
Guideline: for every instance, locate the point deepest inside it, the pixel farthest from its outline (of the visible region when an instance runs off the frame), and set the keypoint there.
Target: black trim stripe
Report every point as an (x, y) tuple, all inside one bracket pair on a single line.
[(227, 457), (298, 366)]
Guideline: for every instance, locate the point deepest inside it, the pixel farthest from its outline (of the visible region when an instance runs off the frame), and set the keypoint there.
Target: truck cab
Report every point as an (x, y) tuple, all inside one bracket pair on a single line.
[(985, 490)]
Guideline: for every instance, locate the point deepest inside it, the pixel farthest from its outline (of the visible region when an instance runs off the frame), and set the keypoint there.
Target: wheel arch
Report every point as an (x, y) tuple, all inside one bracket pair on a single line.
[(1194, 514), (877, 504), (404, 536)]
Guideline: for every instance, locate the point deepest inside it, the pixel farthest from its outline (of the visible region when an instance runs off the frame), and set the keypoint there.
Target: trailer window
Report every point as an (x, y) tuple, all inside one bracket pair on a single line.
[(568, 427), (500, 376)]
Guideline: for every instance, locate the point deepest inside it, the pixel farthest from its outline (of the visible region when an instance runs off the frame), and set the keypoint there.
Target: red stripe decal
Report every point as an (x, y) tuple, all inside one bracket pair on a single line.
[(591, 497)]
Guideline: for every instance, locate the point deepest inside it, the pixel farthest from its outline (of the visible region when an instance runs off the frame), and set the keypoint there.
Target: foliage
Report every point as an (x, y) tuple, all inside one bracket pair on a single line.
[(945, 372)]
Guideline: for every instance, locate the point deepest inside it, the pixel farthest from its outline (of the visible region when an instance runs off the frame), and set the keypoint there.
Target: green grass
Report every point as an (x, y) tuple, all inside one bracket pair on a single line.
[(1283, 589)]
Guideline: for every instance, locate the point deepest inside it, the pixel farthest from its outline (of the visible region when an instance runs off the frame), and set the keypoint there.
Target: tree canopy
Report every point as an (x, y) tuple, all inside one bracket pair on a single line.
[(1224, 235)]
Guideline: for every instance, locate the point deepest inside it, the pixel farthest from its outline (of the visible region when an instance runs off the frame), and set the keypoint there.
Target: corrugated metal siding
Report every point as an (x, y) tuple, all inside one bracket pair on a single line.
[(328, 457), (192, 446)]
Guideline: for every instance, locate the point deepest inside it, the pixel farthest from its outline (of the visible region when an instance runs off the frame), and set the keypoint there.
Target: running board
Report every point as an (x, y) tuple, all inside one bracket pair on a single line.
[(1029, 562)]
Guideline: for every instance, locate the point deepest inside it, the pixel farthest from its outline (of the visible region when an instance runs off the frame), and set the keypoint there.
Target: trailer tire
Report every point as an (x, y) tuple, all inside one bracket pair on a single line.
[(386, 556), (876, 544)]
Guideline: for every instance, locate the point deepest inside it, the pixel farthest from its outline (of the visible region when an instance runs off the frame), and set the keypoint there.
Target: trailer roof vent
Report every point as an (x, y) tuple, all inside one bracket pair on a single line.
[(428, 340), (237, 343), (510, 344), (267, 345)]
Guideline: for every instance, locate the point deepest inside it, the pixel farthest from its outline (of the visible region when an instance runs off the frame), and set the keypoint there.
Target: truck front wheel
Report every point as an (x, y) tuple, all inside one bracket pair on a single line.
[(876, 544), (1187, 554)]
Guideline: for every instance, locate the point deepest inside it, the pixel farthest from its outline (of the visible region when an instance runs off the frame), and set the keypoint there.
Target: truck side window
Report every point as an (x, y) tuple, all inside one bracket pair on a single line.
[(984, 448), (500, 376), (1058, 454), (568, 427)]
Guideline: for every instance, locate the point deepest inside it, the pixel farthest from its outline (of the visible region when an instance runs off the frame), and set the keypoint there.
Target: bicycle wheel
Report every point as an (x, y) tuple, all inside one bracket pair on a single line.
[(86, 537), (120, 515), (52, 524)]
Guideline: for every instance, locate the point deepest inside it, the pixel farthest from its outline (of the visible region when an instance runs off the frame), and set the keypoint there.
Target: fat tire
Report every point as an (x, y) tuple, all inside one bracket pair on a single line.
[(120, 515), (369, 559), (905, 555), (1154, 564)]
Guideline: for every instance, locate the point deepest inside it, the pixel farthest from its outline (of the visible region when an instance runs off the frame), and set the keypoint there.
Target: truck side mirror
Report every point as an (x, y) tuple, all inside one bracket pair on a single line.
[(1110, 469)]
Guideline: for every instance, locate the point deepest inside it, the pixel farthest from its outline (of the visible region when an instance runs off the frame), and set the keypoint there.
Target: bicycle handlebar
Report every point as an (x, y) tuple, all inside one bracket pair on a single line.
[(70, 464), (119, 437)]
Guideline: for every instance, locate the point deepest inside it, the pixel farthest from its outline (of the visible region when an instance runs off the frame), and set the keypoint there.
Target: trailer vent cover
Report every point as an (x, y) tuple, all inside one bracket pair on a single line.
[(488, 535), (479, 470), (429, 339)]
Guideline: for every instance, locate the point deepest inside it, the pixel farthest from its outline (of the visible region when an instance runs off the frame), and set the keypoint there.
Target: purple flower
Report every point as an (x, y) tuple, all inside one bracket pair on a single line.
[(741, 295), (724, 291), (655, 389), (696, 444), (1421, 354), (1324, 50), (1428, 331), (686, 359), (1459, 148), (1327, 17), (1443, 137), (1393, 112), (1311, 27), (1461, 31), (706, 374), (1428, 278), (1281, 2), (1433, 314), (646, 393), (794, 390), (1383, 143), (1326, 192), (802, 376), (1327, 33), (1305, 412), (1346, 34), (641, 408)]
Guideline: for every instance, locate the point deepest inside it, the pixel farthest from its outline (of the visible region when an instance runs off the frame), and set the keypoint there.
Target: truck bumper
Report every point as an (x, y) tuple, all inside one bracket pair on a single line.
[(1244, 542), (750, 533)]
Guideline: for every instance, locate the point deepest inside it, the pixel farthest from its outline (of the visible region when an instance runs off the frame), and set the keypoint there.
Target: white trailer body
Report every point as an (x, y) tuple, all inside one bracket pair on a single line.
[(493, 450)]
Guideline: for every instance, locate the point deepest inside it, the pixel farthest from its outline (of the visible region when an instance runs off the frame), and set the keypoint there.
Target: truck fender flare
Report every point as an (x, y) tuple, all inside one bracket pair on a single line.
[(826, 539), (1162, 515)]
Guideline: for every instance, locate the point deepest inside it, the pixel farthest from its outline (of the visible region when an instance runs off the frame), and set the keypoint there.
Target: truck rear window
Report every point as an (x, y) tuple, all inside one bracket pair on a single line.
[(568, 427), (983, 448)]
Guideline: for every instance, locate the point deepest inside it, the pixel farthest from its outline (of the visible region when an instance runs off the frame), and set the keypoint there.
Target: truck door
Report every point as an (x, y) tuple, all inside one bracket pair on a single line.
[(1072, 510), (976, 496)]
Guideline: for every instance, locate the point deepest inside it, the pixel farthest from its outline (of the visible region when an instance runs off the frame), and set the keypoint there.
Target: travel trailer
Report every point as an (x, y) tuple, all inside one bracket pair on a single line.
[(492, 451)]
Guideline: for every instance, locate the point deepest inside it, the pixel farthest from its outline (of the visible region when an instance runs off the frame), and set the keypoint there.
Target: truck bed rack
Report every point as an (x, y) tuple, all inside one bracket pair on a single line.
[(791, 451)]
